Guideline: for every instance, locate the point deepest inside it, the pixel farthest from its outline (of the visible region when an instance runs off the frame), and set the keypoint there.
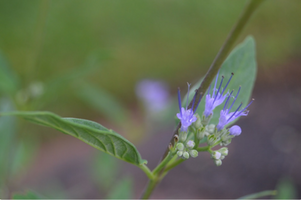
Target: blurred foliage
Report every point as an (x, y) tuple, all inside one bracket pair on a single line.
[(171, 40), (286, 189)]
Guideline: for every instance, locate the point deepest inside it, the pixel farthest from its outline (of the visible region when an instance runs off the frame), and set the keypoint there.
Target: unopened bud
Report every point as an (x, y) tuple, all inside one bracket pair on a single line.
[(180, 146), (200, 135), (218, 162), (183, 136), (190, 144), (205, 120), (186, 155), (216, 155), (180, 153), (194, 153), (211, 140), (222, 157), (235, 130), (210, 128), (224, 151), (198, 123)]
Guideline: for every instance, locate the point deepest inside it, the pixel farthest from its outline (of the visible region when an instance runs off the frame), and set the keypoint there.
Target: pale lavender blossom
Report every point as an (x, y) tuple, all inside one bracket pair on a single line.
[(226, 116), (217, 97), (154, 94), (235, 130), (187, 116)]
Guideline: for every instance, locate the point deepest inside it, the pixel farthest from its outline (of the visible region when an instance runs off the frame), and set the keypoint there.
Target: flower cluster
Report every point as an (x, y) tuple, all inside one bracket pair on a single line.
[(195, 130)]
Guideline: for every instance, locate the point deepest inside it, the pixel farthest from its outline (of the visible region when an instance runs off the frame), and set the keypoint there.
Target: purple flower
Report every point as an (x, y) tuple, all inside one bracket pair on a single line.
[(226, 117), (217, 98), (186, 116), (154, 95), (235, 130)]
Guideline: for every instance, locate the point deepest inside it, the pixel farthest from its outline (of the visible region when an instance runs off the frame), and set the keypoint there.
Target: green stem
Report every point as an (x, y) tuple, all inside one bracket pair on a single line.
[(149, 189), (222, 55), (147, 171), (206, 148), (163, 163), (173, 164)]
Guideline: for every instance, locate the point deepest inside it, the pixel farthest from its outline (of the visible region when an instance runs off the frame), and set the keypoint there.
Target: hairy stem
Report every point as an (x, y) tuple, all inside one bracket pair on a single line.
[(222, 55)]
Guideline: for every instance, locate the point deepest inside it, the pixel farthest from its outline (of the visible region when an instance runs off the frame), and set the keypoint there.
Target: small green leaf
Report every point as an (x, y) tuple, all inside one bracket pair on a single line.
[(260, 194), (101, 101), (242, 62), (122, 190), (9, 82), (89, 132)]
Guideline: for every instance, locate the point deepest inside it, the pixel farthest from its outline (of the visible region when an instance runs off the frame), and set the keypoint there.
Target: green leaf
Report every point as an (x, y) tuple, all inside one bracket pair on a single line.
[(89, 132), (9, 83), (102, 101), (122, 190), (260, 194), (242, 62)]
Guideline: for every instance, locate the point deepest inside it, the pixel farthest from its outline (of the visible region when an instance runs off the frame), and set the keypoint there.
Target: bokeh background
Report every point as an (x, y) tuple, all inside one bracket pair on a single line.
[(85, 59)]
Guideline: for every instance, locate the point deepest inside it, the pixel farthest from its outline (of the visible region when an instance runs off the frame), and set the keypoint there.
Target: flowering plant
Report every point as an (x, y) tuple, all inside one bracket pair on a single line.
[(202, 124)]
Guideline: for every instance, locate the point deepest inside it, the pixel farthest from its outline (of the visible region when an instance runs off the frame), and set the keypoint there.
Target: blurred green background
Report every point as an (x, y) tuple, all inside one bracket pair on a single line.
[(62, 46)]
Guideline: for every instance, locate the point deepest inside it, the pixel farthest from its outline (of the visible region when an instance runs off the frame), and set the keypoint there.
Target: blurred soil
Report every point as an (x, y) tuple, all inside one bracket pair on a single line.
[(268, 150)]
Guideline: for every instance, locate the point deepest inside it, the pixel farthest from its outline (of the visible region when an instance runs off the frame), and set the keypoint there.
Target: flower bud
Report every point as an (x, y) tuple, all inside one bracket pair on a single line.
[(216, 155), (183, 136), (190, 144), (224, 151), (180, 153), (218, 162), (206, 120), (198, 123), (211, 140), (186, 155), (222, 157), (210, 128), (235, 130), (194, 153), (180, 146)]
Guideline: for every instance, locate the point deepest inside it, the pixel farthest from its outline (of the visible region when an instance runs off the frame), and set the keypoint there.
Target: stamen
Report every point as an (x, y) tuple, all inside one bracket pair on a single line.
[(220, 85), (235, 98), (234, 112), (179, 101), (226, 104), (187, 95), (198, 103), (226, 85), (246, 107)]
